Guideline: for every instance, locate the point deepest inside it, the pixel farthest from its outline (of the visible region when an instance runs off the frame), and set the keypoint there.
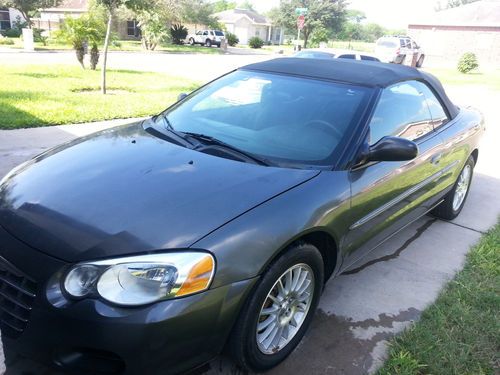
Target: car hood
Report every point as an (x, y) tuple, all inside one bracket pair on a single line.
[(123, 191)]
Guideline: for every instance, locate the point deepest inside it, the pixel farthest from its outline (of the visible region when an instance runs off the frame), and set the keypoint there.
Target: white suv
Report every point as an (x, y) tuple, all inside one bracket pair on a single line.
[(396, 49), (207, 38)]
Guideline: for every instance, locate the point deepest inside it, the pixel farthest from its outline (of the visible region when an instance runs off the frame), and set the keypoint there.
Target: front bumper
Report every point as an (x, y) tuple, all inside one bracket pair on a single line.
[(92, 336)]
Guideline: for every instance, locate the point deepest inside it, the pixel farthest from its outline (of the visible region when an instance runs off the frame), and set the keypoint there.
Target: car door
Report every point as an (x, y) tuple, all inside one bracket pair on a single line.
[(198, 37), (385, 196)]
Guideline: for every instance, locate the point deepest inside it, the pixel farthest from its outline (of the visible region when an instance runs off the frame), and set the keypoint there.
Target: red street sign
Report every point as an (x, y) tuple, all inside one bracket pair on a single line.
[(300, 22)]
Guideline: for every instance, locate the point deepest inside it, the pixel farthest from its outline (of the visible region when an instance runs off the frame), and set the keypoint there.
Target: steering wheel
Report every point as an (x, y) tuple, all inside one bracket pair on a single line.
[(329, 127)]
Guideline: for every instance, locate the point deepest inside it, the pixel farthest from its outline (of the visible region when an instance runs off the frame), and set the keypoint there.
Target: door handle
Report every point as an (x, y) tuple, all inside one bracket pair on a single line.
[(436, 158)]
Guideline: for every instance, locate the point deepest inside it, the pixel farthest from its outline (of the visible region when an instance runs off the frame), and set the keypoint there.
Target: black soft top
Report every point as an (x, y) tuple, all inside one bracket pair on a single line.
[(365, 73)]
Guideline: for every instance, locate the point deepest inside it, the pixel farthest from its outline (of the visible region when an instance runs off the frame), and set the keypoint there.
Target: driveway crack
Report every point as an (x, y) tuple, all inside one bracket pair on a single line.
[(465, 227)]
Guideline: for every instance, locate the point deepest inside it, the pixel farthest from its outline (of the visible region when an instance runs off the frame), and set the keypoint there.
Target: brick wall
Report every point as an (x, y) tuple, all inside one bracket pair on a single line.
[(450, 42)]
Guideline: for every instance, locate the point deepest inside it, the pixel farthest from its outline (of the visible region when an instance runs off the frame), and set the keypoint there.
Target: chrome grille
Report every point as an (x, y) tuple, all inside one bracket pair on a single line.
[(17, 294)]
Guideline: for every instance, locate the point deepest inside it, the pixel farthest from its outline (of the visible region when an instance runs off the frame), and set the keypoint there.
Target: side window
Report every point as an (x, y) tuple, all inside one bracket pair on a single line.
[(205, 33), (199, 32), (438, 114), (402, 111), (348, 56), (368, 58)]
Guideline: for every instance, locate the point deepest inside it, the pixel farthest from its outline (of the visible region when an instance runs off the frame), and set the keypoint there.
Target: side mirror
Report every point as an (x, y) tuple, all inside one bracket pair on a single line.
[(181, 96), (389, 149)]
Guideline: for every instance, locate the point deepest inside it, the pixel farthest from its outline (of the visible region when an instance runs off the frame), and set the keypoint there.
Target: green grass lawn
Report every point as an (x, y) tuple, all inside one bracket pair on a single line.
[(460, 332), (39, 95), (449, 76)]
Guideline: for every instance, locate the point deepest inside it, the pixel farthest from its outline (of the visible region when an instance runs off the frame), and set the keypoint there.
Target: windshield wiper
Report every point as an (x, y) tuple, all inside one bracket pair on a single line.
[(179, 136), (217, 142)]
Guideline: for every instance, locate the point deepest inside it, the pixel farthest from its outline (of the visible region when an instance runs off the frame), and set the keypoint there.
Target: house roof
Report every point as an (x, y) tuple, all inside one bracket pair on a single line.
[(363, 73), (233, 15), (479, 13), (70, 5)]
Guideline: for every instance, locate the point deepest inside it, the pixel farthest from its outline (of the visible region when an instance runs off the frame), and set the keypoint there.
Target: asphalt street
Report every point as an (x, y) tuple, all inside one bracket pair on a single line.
[(360, 310)]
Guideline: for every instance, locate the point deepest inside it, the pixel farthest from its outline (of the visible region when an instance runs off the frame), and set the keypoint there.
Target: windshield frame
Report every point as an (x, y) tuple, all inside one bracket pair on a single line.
[(334, 159)]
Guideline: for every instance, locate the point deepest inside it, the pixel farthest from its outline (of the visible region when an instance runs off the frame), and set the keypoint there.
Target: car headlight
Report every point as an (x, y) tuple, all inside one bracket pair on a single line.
[(142, 279)]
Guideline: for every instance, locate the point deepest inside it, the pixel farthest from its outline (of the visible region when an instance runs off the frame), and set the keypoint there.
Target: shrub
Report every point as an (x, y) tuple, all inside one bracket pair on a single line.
[(178, 33), (6, 41), (38, 36), (232, 39), (255, 42), (13, 33), (467, 62)]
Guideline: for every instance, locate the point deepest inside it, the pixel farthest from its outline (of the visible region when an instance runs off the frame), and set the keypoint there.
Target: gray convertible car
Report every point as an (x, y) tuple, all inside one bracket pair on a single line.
[(214, 225)]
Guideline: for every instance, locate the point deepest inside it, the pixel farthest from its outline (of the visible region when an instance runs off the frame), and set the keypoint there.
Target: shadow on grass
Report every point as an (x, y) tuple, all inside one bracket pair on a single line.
[(14, 118), (42, 75)]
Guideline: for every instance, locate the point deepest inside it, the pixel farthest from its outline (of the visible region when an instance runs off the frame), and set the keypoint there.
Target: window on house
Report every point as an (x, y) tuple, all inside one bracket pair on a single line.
[(4, 19), (257, 32), (133, 29)]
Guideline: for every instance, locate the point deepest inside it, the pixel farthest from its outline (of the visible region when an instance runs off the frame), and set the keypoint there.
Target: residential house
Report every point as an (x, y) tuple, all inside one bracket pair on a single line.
[(449, 33), (246, 24), (8, 18), (51, 18)]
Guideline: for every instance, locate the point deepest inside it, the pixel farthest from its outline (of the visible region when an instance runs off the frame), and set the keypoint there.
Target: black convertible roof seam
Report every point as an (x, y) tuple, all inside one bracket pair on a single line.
[(363, 73)]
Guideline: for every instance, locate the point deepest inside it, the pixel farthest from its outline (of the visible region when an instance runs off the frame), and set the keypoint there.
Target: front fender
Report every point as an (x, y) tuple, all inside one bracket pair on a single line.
[(246, 245)]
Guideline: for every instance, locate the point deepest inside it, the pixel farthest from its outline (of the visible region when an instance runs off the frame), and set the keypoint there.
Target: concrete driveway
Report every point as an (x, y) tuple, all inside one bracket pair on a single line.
[(361, 309)]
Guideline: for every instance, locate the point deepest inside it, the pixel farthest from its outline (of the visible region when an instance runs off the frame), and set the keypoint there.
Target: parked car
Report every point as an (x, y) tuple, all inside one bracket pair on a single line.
[(324, 53), (149, 247), (206, 38), (398, 50)]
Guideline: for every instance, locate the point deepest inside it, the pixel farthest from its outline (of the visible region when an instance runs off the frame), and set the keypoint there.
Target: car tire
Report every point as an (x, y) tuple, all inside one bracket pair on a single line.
[(420, 61), (455, 199), (208, 43), (191, 41), (253, 344)]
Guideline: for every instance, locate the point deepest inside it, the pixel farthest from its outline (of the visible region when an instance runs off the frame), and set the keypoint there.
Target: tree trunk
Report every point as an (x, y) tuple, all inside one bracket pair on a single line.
[(306, 37), (26, 17), (80, 54), (94, 57), (105, 53)]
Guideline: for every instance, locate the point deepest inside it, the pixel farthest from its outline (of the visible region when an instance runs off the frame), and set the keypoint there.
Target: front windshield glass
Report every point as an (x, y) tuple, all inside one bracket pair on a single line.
[(282, 118)]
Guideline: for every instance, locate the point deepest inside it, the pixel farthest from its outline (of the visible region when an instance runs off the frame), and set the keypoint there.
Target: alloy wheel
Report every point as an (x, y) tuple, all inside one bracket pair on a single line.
[(285, 308), (462, 187)]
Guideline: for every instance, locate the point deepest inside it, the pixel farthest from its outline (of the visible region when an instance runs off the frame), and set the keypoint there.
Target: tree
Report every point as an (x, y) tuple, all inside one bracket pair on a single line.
[(451, 4), (110, 7), (197, 12), (153, 29), (87, 29), (222, 5), (373, 31), (329, 14), (246, 4), (28, 7), (355, 15)]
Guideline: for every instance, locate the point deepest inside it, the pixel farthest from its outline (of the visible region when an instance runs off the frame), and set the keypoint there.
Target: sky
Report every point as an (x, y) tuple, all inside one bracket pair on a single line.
[(388, 13)]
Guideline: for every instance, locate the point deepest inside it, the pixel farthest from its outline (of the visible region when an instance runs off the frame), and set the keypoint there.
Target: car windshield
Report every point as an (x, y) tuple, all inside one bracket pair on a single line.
[(219, 33), (314, 55), (387, 43), (285, 119)]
